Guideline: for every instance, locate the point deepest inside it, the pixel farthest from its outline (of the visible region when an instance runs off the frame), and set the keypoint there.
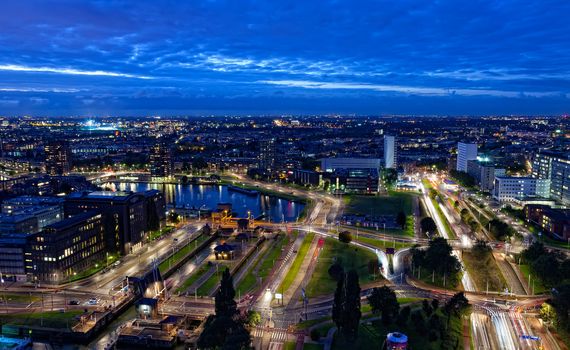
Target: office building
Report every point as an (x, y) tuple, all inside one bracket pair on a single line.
[(508, 189), (332, 164), (160, 161), (66, 248), (552, 220), (16, 204), (364, 180), (465, 152), (124, 216), (554, 166), (12, 252), (390, 152), (58, 158), (155, 210), (307, 177), (484, 173), (266, 159)]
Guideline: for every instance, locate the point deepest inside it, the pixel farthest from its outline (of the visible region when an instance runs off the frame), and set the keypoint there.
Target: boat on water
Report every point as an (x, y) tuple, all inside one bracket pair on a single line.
[(243, 190)]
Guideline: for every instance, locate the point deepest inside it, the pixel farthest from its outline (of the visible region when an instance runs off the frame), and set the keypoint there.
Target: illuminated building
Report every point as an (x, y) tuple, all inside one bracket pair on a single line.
[(58, 158)]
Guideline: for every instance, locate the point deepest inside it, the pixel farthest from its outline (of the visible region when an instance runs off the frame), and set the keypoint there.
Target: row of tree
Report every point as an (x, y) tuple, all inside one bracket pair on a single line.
[(425, 321), (553, 269), (438, 259)]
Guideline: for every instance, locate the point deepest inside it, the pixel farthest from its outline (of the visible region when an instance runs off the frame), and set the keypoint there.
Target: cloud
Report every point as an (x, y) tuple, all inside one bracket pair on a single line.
[(9, 103), (32, 89), (410, 90), (69, 71)]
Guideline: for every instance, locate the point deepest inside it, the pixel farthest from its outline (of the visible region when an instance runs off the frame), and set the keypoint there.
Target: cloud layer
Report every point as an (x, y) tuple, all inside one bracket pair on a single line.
[(145, 57)]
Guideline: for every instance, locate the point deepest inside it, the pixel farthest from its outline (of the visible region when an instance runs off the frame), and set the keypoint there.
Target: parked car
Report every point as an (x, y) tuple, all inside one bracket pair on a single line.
[(73, 302)]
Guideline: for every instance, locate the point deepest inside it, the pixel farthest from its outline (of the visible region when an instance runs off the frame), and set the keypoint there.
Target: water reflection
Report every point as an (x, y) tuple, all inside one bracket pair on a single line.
[(277, 209)]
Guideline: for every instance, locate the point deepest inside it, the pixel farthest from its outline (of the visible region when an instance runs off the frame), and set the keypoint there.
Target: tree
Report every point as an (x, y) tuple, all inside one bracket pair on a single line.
[(374, 267), (456, 306), (401, 219), (548, 268), (383, 301), (253, 318), (501, 230), (346, 305), (434, 304), (315, 334), (419, 322), (427, 308), (532, 253), (428, 225), (226, 329), (336, 271), (345, 237), (547, 313), (403, 316), (173, 217), (224, 302)]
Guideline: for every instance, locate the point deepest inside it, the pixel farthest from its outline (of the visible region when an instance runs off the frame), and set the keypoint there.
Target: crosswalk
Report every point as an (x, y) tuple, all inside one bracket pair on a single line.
[(279, 335)]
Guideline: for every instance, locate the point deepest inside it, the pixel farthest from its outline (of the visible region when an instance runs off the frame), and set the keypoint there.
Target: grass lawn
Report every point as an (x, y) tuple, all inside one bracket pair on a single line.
[(210, 283), (263, 266), (51, 319), (193, 278), (19, 298), (379, 205), (539, 288), (181, 253), (155, 234), (371, 335), (296, 266), (350, 257), (96, 267), (483, 268)]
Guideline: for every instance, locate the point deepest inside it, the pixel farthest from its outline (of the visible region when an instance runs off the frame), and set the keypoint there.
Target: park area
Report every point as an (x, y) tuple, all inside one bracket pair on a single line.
[(349, 257), (380, 212), (49, 319)]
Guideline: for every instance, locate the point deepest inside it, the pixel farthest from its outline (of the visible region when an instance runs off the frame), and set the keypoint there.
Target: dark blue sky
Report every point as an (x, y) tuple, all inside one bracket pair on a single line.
[(271, 57)]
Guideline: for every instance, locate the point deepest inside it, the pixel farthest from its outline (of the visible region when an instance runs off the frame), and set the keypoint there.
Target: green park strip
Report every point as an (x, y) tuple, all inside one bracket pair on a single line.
[(49, 319), (201, 271), (264, 264), (539, 288), (484, 271), (382, 244), (307, 346), (158, 233), (349, 257), (296, 266), (379, 205), (18, 298), (96, 267), (211, 282), (181, 253)]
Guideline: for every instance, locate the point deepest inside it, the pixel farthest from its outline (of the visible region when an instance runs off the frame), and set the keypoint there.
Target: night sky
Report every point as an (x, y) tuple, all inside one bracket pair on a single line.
[(272, 57)]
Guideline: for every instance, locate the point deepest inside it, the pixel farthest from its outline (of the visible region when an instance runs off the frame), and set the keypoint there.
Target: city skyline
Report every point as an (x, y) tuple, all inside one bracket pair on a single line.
[(122, 58)]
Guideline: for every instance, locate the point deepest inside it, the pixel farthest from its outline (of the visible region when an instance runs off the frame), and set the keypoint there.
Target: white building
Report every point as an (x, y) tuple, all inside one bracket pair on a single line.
[(390, 152), (465, 152), (332, 164), (509, 189)]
